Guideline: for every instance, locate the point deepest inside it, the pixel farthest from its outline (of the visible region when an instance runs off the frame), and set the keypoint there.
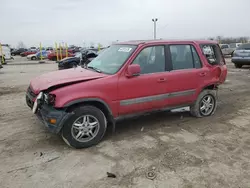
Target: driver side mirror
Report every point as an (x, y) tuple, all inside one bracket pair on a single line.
[(133, 70)]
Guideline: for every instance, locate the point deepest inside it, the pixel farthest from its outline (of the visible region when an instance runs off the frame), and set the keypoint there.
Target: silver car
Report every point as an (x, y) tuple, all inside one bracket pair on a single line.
[(228, 49), (241, 55)]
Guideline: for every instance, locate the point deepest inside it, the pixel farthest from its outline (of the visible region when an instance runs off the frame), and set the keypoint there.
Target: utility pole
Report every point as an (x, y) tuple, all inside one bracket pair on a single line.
[(155, 20)]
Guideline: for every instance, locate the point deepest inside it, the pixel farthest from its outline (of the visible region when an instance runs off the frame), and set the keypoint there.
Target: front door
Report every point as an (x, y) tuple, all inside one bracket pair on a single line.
[(146, 91)]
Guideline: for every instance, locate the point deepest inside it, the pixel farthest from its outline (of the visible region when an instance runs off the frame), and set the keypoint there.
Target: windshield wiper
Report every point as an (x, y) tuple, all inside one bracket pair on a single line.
[(94, 68)]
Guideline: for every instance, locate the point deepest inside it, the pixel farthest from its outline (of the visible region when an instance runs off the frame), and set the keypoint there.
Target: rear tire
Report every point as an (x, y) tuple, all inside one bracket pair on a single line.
[(33, 58), (80, 131), (238, 65), (198, 109)]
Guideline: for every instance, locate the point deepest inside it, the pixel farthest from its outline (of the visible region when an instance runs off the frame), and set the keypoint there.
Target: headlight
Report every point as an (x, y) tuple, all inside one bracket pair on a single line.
[(49, 98)]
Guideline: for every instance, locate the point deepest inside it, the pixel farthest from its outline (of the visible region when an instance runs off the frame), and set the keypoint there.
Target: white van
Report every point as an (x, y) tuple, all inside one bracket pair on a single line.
[(6, 53)]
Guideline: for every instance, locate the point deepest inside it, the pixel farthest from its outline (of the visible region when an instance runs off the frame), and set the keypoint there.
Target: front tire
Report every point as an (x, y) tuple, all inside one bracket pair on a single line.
[(33, 58), (238, 65), (205, 105), (85, 128)]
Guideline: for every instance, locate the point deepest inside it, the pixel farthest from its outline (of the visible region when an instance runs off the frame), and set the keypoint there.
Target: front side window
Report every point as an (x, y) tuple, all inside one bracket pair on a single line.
[(112, 59), (151, 59), (184, 57)]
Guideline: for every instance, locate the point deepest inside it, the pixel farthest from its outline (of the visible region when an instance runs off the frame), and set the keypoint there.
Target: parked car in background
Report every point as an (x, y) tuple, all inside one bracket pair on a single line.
[(224, 48), (18, 51), (88, 55), (228, 49), (23, 54), (80, 103), (70, 62), (241, 55), (38, 55), (80, 58), (74, 49), (49, 49), (52, 55)]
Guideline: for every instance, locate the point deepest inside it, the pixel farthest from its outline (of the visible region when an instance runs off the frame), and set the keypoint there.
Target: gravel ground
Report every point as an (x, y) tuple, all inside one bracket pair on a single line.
[(162, 150)]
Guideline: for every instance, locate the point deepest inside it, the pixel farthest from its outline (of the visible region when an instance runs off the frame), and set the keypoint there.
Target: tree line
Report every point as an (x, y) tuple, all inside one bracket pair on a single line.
[(228, 40)]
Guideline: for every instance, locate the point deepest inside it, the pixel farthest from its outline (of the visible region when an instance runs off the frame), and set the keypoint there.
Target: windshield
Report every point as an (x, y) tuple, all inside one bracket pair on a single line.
[(244, 47), (112, 58)]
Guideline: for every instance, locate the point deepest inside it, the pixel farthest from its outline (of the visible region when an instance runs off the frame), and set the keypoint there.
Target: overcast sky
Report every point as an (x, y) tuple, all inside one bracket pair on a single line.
[(104, 21)]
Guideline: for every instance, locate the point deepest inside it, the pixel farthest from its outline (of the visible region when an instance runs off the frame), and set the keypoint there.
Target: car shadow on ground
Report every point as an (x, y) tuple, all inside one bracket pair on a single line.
[(147, 122)]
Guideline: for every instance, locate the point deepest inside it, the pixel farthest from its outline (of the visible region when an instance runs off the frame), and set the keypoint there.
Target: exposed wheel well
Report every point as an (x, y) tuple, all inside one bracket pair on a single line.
[(211, 87), (97, 104)]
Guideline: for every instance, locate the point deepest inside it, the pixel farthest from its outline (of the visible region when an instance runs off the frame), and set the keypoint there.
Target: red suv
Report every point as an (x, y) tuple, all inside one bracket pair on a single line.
[(128, 78)]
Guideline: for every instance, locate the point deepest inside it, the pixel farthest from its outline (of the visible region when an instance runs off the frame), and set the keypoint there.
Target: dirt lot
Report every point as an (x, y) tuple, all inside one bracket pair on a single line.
[(180, 151)]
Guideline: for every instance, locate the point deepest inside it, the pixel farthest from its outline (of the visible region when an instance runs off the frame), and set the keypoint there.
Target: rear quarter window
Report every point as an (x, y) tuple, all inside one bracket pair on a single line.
[(213, 54)]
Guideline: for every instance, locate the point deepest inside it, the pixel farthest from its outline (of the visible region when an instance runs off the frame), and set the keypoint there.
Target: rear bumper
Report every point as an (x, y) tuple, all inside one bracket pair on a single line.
[(238, 60), (45, 113)]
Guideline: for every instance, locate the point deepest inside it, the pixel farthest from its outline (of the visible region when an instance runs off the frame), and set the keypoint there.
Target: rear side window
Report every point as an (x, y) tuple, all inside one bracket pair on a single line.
[(184, 57), (213, 54)]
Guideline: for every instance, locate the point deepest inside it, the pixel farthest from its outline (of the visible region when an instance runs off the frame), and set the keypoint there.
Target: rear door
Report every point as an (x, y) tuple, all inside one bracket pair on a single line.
[(186, 75)]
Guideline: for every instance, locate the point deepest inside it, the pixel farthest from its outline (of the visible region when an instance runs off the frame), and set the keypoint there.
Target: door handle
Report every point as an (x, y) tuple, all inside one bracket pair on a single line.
[(203, 74), (162, 80)]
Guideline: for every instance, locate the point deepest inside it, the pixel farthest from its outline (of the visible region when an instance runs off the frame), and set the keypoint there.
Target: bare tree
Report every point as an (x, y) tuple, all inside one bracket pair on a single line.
[(219, 38), (228, 40), (20, 45)]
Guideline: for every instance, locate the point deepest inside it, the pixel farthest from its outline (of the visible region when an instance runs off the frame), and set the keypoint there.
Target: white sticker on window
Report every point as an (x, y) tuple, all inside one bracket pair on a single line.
[(124, 49)]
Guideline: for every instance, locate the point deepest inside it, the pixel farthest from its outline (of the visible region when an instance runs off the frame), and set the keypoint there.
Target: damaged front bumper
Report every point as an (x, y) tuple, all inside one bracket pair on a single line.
[(52, 118)]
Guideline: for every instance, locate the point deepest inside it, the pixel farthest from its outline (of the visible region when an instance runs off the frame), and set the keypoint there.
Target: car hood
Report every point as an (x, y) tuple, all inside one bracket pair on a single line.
[(31, 55), (63, 77)]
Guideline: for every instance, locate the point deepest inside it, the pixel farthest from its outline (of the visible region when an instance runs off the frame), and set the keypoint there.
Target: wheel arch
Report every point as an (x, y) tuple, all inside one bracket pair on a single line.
[(99, 103), (210, 87)]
